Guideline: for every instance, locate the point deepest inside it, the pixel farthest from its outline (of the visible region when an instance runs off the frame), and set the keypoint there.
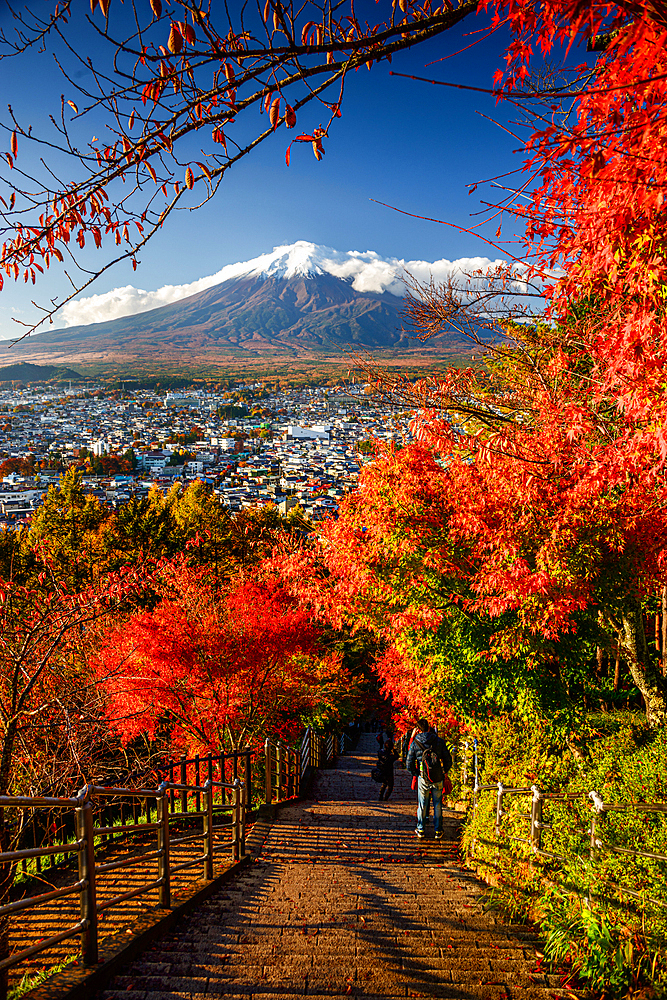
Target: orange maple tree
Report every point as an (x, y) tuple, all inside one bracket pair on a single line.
[(555, 448)]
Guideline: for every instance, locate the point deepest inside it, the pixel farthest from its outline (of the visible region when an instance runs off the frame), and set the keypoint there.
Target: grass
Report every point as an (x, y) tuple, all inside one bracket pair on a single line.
[(31, 980)]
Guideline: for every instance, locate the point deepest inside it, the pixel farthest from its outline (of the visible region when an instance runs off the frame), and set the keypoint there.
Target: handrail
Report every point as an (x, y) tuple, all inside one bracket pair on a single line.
[(209, 763), (36, 801), (95, 812), (89, 868), (285, 769), (596, 844)]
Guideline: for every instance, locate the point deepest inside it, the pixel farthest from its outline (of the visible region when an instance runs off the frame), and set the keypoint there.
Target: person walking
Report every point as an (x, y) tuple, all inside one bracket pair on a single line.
[(428, 760), (386, 760), (382, 736)]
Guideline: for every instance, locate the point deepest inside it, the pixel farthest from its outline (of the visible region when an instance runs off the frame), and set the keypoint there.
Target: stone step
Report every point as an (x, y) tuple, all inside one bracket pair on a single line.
[(343, 902)]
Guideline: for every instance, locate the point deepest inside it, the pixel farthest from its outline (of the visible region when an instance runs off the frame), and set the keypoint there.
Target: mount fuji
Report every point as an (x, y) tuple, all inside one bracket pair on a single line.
[(301, 300)]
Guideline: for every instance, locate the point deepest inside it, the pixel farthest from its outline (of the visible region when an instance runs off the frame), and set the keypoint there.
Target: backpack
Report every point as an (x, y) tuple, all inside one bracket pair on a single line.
[(431, 767)]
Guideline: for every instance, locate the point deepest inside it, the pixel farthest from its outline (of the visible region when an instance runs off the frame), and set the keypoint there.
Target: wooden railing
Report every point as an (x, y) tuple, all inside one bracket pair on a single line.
[(224, 767), (90, 801), (282, 771), (527, 825), (84, 824)]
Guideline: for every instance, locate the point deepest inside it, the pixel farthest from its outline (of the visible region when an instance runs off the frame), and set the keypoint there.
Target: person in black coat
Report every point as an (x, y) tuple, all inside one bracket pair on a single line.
[(386, 760)]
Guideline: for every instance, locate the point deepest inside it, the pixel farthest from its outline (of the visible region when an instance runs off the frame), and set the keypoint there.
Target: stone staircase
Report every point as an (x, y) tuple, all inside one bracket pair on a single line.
[(342, 900)]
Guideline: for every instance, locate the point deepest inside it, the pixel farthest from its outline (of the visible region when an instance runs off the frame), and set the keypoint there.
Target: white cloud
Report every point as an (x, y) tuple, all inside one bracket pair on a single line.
[(366, 270), (127, 301)]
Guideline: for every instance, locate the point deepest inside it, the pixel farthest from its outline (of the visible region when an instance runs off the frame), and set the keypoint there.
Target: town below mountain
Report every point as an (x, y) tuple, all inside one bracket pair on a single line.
[(251, 446)]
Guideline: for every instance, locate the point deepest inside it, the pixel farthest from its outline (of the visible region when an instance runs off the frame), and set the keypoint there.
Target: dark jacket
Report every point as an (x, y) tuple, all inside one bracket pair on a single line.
[(386, 760), (419, 744)]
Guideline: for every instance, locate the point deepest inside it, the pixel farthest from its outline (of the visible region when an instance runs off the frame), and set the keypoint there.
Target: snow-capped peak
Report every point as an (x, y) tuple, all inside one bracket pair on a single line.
[(296, 259), (365, 270)]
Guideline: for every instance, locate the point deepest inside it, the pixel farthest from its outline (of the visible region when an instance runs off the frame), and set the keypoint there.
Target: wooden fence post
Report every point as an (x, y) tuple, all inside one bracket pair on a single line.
[(197, 782), (184, 781), (267, 783), (248, 779), (236, 821), (536, 821), (208, 828), (499, 807), (242, 820), (84, 830), (279, 770), (163, 845)]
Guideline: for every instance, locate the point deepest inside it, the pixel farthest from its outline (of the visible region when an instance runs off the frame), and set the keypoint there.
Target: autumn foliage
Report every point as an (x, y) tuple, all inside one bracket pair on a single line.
[(531, 505), (521, 538), (511, 559), (543, 540), (597, 212), (51, 720), (168, 72), (209, 669)]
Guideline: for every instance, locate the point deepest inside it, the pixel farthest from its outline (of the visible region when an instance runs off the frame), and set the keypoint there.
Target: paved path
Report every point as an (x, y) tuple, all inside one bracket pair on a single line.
[(344, 901)]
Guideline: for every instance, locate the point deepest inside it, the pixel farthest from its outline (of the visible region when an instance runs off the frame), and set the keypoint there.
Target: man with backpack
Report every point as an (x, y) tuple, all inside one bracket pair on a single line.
[(428, 760)]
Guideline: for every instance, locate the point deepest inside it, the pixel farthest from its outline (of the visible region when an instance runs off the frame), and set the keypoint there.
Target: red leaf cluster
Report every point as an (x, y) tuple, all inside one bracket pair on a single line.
[(212, 669)]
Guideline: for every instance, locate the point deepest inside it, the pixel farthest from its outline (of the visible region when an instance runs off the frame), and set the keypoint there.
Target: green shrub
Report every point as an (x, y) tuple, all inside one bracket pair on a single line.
[(605, 947), (602, 911)]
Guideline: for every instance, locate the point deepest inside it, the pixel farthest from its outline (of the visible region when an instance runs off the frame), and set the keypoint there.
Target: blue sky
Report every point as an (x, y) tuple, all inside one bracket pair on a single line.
[(402, 142)]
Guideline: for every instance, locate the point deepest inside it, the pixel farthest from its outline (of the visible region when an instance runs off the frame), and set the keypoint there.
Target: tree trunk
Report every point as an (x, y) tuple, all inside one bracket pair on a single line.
[(599, 656), (664, 631), (645, 674)]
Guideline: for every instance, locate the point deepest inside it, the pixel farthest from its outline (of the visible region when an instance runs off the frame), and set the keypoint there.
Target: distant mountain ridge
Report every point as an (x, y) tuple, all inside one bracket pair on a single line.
[(25, 372), (300, 301)]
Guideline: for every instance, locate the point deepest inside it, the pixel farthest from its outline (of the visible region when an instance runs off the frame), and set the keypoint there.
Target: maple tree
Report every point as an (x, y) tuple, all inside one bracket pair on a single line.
[(36, 626), (210, 669), (563, 511), (555, 447), (597, 213), (20, 466), (489, 592)]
